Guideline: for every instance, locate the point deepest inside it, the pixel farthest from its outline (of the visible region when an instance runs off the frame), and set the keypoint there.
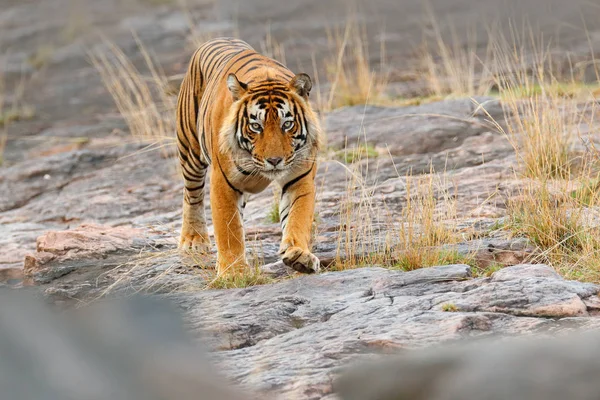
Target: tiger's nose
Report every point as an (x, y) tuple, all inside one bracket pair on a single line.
[(274, 161)]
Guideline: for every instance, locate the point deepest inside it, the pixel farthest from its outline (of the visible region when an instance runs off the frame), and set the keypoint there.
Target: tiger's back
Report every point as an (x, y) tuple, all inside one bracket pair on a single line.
[(248, 116)]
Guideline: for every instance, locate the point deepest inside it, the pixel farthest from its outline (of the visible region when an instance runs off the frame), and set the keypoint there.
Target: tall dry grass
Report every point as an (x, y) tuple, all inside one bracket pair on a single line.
[(427, 224), (452, 62), (556, 208), (362, 237), (542, 122), (353, 78), (141, 98), (562, 220)]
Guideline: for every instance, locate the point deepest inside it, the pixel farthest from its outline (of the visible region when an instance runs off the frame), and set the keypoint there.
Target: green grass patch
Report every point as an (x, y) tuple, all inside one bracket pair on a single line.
[(587, 193), (485, 272), (273, 215), (449, 307), (356, 154)]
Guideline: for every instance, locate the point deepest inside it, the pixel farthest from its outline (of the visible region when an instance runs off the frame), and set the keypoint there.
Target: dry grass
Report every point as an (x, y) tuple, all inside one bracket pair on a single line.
[(140, 98), (563, 224), (354, 80), (253, 277), (547, 111), (542, 121), (272, 48), (422, 236), (453, 66), (428, 225), (362, 236), (273, 214)]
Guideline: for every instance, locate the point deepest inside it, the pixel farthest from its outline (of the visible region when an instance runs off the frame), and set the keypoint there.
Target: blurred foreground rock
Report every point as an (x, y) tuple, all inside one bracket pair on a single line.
[(518, 369), (127, 350)]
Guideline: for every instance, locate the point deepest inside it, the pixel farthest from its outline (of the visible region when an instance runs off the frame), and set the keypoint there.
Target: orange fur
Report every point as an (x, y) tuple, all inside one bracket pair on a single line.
[(249, 117)]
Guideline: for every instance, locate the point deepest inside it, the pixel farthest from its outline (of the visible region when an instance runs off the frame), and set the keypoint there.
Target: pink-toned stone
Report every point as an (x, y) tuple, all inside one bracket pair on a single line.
[(85, 241)]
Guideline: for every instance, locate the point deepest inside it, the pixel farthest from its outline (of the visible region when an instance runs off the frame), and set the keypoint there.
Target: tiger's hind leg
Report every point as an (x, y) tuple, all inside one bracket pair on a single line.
[(194, 235)]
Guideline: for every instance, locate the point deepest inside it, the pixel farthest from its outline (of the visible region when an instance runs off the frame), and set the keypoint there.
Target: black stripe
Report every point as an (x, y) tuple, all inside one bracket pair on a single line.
[(284, 218), (192, 188), (211, 52), (257, 58), (297, 257), (192, 160), (290, 206), (293, 181), (219, 60), (243, 171), (225, 176), (212, 44), (279, 64), (187, 178), (192, 174)]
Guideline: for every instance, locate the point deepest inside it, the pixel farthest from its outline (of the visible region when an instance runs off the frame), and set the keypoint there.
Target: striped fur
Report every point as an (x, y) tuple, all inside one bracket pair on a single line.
[(249, 117)]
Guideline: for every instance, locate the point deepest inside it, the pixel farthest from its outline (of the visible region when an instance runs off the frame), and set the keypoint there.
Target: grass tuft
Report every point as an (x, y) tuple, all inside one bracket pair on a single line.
[(563, 224), (273, 215), (449, 307), (251, 278), (429, 257), (426, 225), (355, 154)]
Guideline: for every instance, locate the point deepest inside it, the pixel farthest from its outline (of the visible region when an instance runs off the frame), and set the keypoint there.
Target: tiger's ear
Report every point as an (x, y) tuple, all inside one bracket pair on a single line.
[(301, 84), (236, 87)]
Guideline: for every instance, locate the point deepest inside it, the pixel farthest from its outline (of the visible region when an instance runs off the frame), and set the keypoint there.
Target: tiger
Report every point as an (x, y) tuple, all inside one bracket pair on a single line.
[(249, 118)]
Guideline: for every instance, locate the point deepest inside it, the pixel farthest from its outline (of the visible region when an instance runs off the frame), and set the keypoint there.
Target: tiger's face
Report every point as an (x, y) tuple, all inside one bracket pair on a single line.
[(271, 126)]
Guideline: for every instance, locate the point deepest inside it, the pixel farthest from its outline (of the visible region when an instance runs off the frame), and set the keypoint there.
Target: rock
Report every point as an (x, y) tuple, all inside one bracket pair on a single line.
[(292, 337), (136, 348), (66, 247), (428, 128), (533, 368)]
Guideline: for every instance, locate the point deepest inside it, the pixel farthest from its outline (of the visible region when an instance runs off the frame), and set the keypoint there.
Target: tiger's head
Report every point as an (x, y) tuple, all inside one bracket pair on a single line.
[(271, 126)]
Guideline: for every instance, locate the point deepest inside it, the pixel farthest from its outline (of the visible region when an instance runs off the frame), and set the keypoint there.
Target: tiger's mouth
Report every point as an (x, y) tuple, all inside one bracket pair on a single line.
[(274, 172)]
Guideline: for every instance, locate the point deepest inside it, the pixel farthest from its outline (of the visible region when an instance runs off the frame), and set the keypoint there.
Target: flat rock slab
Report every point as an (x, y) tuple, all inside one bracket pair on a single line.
[(294, 337)]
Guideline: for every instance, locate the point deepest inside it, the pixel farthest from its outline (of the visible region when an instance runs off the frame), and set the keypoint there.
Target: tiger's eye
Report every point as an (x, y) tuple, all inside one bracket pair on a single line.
[(256, 127), (288, 125)]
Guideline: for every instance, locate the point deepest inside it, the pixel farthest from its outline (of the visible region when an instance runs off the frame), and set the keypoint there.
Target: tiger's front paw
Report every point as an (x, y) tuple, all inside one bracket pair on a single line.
[(301, 260), (194, 242)]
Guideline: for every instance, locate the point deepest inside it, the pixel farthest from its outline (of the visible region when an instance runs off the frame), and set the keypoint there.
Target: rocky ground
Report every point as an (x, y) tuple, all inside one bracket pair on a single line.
[(88, 212)]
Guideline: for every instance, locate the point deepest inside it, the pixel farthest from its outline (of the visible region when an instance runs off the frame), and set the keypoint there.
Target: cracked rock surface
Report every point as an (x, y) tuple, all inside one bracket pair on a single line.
[(293, 338)]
